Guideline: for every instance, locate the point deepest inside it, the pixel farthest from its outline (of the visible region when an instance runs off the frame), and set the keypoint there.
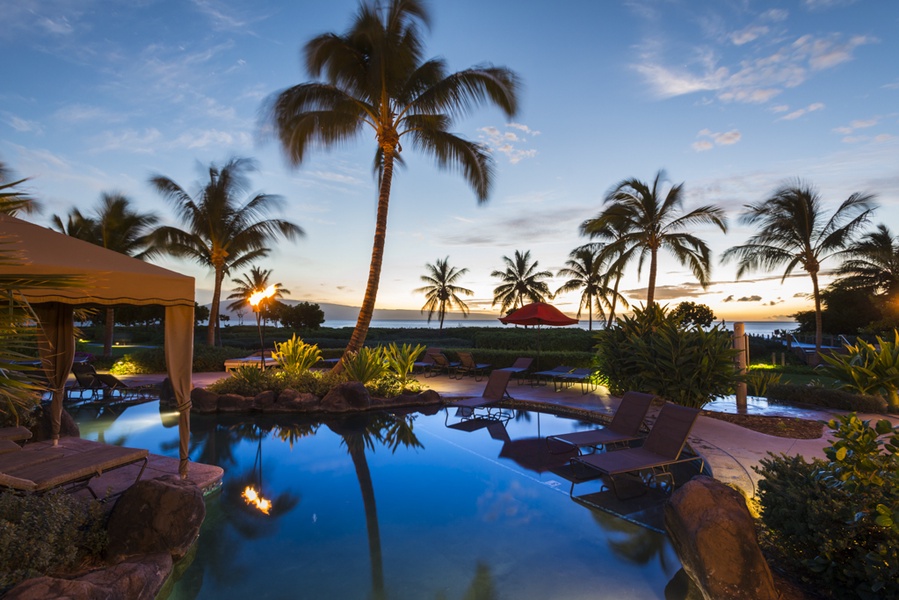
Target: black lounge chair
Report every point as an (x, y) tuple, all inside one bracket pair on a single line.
[(85, 382), (583, 376), (624, 428), (116, 389), (544, 377), (650, 462), (440, 364), (494, 392), (468, 366), (519, 368)]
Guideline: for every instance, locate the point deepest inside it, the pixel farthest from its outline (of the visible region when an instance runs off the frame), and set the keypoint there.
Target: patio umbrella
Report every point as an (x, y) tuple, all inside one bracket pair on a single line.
[(538, 313)]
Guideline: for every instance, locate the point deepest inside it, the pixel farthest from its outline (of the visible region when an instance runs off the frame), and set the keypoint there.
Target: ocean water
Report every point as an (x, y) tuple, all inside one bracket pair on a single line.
[(765, 328)]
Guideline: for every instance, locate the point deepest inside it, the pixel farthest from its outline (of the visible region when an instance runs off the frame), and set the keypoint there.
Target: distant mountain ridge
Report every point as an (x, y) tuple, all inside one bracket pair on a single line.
[(342, 312)]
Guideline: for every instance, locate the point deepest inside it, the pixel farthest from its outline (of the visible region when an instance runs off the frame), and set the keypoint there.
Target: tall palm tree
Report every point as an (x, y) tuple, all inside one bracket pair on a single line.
[(114, 225), (376, 78), (222, 231), (13, 201), (585, 272), (442, 293), (613, 263), (520, 281), (872, 263), (648, 223), (793, 229), (254, 281)]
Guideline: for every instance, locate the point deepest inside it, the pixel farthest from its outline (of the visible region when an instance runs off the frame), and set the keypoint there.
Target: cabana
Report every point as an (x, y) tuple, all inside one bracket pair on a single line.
[(105, 278)]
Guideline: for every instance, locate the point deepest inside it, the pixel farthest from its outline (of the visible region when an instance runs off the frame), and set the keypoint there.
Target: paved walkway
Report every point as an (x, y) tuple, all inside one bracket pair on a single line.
[(731, 451)]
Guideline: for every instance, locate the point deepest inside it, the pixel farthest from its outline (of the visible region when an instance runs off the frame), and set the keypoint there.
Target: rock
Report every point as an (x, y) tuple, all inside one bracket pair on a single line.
[(233, 403), (137, 579), (43, 430), (156, 515), (293, 401), (714, 536), (264, 400), (203, 402), (167, 397), (345, 397)]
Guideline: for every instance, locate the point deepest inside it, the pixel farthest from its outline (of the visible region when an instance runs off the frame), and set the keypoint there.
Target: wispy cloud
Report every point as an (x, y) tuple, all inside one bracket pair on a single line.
[(509, 143), (802, 111), (710, 139), (23, 125), (129, 140)]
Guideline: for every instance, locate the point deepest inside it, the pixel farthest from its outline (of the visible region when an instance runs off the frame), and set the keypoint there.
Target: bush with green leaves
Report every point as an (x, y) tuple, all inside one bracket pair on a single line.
[(785, 393), (836, 521), (47, 534), (401, 360), (758, 381), (365, 366), (868, 369), (295, 356), (654, 352), (152, 360)]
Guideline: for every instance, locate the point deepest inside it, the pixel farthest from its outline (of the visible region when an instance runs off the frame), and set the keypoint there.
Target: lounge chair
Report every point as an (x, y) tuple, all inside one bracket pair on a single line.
[(494, 391), (10, 437), (583, 376), (116, 389), (253, 360), (85, 382), (426, 362), (543, 377), (440, 364), (519, 368), (468, 366), (42, 467), (624, 428), (651, 461)]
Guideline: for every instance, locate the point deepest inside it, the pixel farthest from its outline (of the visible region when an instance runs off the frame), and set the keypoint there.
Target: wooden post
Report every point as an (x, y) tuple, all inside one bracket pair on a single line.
[(740, 344)]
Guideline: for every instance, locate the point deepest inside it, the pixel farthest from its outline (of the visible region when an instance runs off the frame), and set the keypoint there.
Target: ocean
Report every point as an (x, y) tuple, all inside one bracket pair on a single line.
[(765, 328)]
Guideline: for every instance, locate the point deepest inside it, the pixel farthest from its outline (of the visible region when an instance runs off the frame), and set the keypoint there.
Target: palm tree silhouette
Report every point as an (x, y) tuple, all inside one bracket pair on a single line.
[(793, 229), (442, 293), (520, 281), (376, 77), (250, 283), (638, 221), (872, 263), (13, 201), (222, 233), (585, 272)]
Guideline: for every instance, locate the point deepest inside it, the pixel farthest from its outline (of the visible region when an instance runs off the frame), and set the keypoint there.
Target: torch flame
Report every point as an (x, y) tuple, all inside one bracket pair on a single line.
[(253, 498), (258, 297)]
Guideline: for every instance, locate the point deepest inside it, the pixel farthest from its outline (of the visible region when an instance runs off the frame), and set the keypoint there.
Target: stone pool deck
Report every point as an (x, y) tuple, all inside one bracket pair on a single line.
[(729, 450)]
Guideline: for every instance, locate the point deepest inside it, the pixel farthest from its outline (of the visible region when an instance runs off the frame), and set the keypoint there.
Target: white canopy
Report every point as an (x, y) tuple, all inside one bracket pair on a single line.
[(106, 278)]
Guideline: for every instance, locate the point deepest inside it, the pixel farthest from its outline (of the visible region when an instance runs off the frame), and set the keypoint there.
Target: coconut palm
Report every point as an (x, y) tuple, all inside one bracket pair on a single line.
[(793, 229), (254, 281), (520, 281), (585, 272), (13, 201), (872, 263), (612, 262), (223, 231), (442, 293), (116, 226), (648, 223), (376, 79)]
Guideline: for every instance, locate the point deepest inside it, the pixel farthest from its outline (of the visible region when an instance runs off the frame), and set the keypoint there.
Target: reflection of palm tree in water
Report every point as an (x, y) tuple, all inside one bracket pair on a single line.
[(639, 545), (359, 432)]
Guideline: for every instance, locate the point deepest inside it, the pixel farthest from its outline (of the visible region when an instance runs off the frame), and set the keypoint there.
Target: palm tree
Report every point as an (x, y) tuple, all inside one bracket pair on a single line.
[(647, 223), (872, 263), (520, 281), (585, 272), (794, 230), (13, 201), (254, 281), (376, 78), (615, 262), (115, 226), (222, 233), (442, 293)]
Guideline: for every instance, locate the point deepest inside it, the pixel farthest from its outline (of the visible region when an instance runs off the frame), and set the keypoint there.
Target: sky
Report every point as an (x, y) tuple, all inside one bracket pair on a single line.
[(732, 98)]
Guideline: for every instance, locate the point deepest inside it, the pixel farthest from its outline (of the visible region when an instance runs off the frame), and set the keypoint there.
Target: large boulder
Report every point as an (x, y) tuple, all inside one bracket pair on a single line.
[(264, 400), (234, 403), (714, 536), (203, 402), (290, 400), (345, 397), (138, 579), (156, 515), (43, 429)]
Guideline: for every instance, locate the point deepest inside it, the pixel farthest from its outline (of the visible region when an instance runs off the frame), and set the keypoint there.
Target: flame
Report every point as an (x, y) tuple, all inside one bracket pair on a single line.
[(258, 297), (253, 498)]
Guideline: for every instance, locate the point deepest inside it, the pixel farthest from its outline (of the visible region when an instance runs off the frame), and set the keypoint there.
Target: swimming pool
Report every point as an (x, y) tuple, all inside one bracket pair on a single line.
[(398, 507)]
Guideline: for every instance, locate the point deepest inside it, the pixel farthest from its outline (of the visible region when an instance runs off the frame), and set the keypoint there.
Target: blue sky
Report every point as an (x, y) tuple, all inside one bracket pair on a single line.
[(732, 98)]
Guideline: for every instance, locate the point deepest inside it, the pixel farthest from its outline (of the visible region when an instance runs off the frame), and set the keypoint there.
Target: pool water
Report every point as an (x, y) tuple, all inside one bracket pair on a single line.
[(395, 507)]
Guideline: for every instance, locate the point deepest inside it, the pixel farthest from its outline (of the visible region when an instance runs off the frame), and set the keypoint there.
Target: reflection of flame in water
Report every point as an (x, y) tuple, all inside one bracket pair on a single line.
[(253, 498)]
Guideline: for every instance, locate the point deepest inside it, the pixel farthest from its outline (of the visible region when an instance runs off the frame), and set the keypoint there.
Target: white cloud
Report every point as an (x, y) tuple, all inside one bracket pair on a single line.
[(884, 137), (128, 140), (748, 34), (58, 26), (780, 108), (23, 125), (709, 139), (508, 142), (799, 112)]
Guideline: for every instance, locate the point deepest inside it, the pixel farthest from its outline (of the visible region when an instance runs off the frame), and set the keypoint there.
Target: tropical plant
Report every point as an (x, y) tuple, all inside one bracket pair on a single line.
[(222, 233), (376, 77), (442, 293), (255, 281), (758, 381), (401, 359), (116, 226), (521, 281), (13, 201), (638, 221), (793, 229), (871, 266), (868, 368), (656, 353), (364, 366), (691, 313), (296, 356), (585, 272)]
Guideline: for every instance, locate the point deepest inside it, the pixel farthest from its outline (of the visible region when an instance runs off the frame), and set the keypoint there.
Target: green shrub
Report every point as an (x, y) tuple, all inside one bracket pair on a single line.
[(837, 520), (654, 352), (295, 356), (784, 393), (246, 381), (868, 369), (758, 381), (389, 385), (365, 366), (47, 534), (401, 360), (152, 360)]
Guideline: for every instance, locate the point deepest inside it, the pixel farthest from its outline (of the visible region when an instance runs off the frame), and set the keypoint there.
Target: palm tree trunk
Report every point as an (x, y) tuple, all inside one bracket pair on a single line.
[(653, 266), (819, 324), (360, 332), (109, 332), (614, 301), (590, 313), (356, 450), (214, 307)]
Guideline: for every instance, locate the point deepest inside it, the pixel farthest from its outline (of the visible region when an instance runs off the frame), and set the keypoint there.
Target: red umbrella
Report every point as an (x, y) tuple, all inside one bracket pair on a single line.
[(538, 313)]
